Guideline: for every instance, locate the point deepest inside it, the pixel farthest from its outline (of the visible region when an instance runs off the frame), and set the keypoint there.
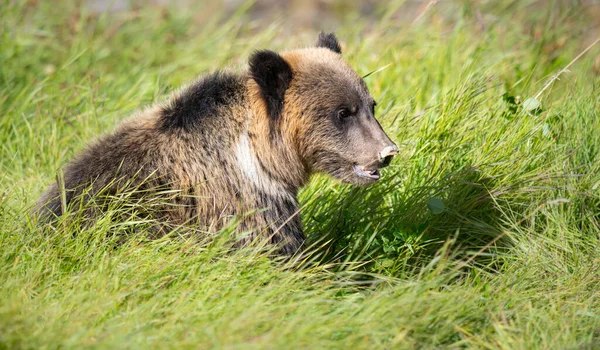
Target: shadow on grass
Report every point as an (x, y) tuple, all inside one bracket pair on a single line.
[(396, 230)]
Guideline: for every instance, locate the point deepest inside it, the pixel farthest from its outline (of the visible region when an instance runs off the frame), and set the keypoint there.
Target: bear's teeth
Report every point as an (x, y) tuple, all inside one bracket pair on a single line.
[(374, 174)]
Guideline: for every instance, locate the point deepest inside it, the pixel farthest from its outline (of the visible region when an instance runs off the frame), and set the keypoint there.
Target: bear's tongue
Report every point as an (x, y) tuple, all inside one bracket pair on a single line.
[(370, 174)]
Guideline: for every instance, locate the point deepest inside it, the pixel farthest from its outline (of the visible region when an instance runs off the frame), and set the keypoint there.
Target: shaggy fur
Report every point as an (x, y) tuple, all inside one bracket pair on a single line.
[(232, 143)]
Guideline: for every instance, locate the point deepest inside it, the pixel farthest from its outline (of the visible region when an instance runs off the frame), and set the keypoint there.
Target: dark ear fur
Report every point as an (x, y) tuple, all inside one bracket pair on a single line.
[(329, 41), (273, 75)]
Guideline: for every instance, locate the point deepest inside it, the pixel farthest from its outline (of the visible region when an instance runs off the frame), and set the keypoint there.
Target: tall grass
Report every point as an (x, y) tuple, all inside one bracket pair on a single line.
[(483, 233)]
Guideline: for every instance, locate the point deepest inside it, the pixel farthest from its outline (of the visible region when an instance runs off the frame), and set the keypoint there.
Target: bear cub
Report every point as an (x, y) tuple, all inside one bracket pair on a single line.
[(234, 143)]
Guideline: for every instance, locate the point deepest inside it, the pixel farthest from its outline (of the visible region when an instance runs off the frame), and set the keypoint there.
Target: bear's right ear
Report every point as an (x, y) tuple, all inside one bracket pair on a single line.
[(329, 41), (273, 76)]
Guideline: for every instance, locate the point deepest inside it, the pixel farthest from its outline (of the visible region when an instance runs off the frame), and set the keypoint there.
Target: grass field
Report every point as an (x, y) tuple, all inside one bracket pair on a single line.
[(483, 233)]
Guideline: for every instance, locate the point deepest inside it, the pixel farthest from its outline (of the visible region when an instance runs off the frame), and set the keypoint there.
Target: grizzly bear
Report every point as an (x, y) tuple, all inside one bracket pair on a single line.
[(229, 144)]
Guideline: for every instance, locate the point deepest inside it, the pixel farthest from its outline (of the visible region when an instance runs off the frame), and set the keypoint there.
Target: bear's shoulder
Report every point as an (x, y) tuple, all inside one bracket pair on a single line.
[(202, 100)]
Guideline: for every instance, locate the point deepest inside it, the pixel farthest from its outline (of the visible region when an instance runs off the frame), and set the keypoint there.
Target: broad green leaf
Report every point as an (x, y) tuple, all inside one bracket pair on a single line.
[(532, 106), (436, 206)]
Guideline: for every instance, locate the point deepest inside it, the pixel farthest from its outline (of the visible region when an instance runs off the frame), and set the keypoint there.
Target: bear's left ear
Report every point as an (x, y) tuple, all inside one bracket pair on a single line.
[(273, 76), (329, 41)]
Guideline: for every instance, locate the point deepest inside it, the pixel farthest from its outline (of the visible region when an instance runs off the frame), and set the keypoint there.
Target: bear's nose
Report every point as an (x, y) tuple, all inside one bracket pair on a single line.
[(386, 155), (388, 151)]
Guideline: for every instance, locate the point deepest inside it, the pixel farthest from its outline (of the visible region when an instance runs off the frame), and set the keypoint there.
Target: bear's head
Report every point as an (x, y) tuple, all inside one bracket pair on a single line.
[(316, 102)]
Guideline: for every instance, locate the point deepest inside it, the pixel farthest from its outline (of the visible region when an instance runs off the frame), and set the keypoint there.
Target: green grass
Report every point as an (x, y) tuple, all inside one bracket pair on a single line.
[(510, 258)]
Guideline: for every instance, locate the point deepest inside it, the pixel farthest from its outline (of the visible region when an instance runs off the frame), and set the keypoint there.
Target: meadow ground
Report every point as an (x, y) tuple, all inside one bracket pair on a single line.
[(483, 233)]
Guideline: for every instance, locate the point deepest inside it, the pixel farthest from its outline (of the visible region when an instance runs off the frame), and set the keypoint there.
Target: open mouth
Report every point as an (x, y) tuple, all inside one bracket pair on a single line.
[(369, 174)]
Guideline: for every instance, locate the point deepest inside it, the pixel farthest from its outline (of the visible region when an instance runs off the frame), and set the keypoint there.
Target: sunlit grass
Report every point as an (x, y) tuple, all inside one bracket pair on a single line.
[(482, 233)]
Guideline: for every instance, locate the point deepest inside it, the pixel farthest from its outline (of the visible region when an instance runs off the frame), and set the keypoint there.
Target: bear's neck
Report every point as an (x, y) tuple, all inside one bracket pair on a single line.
[(268, 159)]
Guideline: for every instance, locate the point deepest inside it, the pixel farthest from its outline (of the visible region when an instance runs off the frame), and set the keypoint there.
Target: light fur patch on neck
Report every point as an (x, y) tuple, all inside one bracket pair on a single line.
[(250, 168)]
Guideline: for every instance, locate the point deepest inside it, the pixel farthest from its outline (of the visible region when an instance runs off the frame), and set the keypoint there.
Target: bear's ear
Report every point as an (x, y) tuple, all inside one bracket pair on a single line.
[(329, 41), (273, 76)]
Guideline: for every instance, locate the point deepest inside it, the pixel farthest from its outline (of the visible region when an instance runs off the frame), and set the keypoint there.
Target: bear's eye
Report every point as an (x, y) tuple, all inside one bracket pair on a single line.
[(344, 113), (373, 107)]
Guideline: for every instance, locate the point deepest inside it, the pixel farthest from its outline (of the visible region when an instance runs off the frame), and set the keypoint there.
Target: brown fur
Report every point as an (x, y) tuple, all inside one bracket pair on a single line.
[(227, 146)]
